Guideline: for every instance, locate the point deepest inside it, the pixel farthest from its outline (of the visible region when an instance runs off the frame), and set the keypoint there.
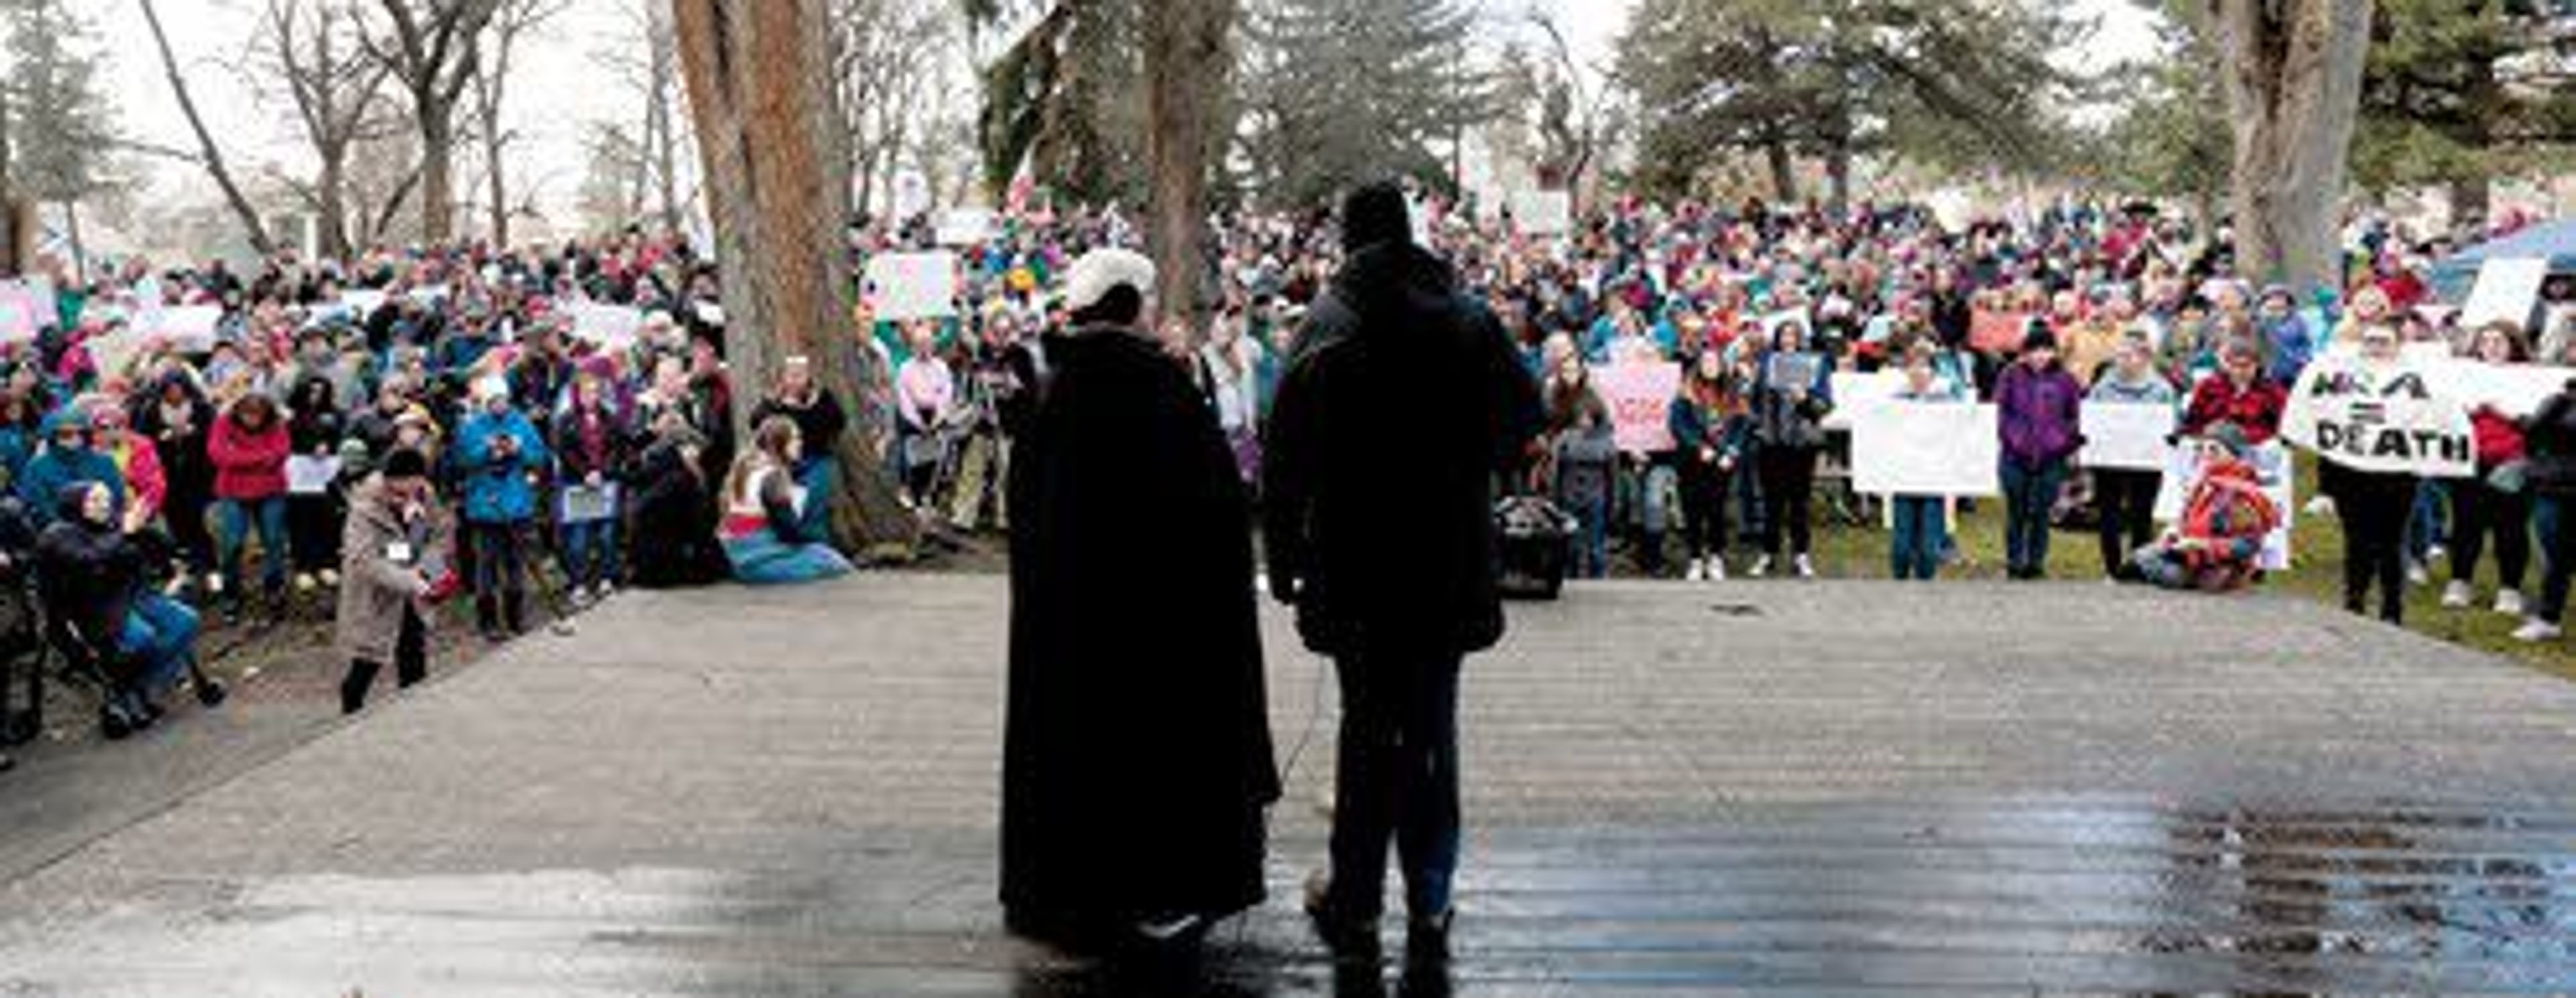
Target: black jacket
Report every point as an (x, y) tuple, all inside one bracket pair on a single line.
[(2550, 440), (89, 574), (1402, 404), (819, 422)]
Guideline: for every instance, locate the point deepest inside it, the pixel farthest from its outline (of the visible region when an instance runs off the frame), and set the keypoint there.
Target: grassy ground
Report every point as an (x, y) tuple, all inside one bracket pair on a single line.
[(2316, 572)]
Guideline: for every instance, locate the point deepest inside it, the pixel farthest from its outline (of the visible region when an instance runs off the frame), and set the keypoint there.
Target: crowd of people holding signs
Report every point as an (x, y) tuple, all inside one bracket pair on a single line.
[(503, 425)]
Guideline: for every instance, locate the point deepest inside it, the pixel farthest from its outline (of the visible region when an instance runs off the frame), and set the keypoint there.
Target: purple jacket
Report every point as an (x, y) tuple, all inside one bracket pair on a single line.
[(2037, 414)]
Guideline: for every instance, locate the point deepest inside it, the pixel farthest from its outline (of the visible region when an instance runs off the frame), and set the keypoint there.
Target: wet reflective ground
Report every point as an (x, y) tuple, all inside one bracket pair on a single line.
[(782, 797)]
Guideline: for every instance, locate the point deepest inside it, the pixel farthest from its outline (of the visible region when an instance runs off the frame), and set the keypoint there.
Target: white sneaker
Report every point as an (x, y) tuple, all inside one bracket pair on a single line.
[(2457, 595), (1806, 567), (1697, 572), (2321, 506), (1717, 569), (1761, 567), (304, 582), (2509, 603), (214, 583), (2416, 575), (2436, 553), (330, 577), (2535, 631)]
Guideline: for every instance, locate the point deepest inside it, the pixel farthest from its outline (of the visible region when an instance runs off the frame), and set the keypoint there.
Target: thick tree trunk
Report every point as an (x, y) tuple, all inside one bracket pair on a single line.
[(437, 176), (2292, 71), (12, 233), (1838, 178), (1186, 68), (331, 203), (1784, 172), (760, 93), (2487, 106)]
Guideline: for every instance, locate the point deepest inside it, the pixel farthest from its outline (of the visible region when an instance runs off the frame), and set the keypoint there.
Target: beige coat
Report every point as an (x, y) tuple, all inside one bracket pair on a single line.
[(373, 588)]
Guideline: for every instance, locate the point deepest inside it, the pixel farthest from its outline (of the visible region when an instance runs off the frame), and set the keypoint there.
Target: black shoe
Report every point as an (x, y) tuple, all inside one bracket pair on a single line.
[(7, 764), (1349, 935), (211, 693), (113, 724), (514, 612), (487, 619), (1426, 938), (18, 728)]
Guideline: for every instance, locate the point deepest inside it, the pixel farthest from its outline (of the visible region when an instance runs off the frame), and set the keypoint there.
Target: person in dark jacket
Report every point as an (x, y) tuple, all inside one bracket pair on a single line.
[(591, 455), (1709, 434), (314, 427), (2549, 440), (671, 502), (1137, 762), (1385, 542), (820, 422), (96, 584), (177, 417), (2039, 415), (1791, 399)]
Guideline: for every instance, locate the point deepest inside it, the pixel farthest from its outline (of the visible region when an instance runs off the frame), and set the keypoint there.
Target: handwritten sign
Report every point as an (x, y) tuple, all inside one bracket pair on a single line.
[(966, 227), (610, 327), (905, 286), (1926, 449), (187, 329), (2128, 436), (1640, 397), (2505, 292), (2393, 418)]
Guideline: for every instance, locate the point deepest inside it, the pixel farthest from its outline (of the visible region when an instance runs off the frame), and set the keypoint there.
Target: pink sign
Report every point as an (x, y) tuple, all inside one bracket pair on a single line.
[(1640, 397)]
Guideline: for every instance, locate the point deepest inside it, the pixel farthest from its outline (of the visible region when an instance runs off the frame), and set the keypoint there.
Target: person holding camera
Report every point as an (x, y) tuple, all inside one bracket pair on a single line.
[(393, 565), (500, 453)]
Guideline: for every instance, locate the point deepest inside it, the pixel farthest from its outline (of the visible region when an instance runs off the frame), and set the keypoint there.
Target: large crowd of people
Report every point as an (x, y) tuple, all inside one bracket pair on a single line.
[(412, 424)]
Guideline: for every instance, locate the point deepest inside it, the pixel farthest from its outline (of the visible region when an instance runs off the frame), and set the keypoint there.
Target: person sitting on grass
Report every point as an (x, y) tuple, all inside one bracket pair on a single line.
[(2217, 546), (764, 522)]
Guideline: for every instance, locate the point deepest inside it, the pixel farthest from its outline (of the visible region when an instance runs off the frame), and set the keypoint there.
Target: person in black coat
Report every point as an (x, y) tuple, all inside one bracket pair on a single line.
[(177, 417), (1136, 749), (670, 506), (1403, 403)]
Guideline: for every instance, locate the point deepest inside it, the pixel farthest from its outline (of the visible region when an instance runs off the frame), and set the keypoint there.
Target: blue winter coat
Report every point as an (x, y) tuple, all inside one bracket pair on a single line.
[(497, 489), (40, 485)]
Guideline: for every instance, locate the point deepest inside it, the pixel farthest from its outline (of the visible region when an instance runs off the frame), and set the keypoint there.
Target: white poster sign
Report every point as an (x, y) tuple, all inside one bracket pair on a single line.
[(2396, 418), (2127, 436), (1854, 391), (188, 329), (1926, 449), (362, 302), (967, 227), (904, 286), (2506, 290), (2512, 389), (610, 327), (26, 307), (308, 475)]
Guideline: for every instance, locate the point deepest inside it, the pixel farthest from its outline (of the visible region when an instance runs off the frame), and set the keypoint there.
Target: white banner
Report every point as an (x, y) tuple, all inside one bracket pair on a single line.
[(189, 329), (2506, 291), (308, 475), (1854, 391), (902, 286), (611, 327), (2381, 419), (26, 307), (1926, 449), (2127, 436), (2512, 389), (966, 227)]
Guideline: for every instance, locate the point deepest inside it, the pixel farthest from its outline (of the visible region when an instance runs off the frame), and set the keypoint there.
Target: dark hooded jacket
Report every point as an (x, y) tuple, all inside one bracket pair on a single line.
[(1402, 404), (89, 573), (1136, 752)]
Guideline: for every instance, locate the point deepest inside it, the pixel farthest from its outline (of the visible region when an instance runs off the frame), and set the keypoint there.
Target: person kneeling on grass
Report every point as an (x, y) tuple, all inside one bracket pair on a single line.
[(393, 558), (765, 513), (2218, 544)]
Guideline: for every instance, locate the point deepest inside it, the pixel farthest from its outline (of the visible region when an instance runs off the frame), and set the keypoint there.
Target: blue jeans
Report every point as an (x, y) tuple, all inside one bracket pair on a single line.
[(1396, 779), (1922, 536), (161, 634), (2030, 494), (1591, 537), (590, 551), (236, 518), (761, 559), (2557, 555), (819, 476), (2428, 524)]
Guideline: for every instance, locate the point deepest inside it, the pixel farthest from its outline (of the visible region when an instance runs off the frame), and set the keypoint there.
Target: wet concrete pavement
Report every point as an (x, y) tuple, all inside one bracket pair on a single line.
[(1777, 789)]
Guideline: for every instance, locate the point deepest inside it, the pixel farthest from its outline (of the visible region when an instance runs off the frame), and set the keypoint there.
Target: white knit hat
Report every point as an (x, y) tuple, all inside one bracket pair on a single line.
[(1104, 270)]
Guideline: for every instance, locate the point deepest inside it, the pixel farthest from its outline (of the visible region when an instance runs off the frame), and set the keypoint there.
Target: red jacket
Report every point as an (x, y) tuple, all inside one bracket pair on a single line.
[(2256, 409), (248, 464), (2499, 438)]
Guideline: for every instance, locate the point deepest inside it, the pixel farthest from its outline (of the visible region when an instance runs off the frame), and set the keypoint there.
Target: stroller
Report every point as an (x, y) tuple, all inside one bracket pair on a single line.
[(1537, 547)]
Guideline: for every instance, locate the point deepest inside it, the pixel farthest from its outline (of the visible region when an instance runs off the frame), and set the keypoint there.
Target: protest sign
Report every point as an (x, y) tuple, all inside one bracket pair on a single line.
[(905, 286), (1926, 449), (189, 329), (2512, 389), (2506, 291), (2127, 436), (1543, 213), (25, 308), (1854, 391), (586, 504), (1640, 397), (610, 327), (362, 303), (308, 475), (966, 227), (2396, 418), (2271, 466)]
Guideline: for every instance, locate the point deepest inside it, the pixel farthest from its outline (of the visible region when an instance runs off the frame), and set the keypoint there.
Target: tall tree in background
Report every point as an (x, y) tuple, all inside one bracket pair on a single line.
[(759, 77), (432, 49), (209, 154), (309, 48), (1187, 63), (645, 55), (2458, 91), (2172, 138), (887, 58), (489, 91), (2292, 72), (1344, 90), (61, 128), (1066, 100)]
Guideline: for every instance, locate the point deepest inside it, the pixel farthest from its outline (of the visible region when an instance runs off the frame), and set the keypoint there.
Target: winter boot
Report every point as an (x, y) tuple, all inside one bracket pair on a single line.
[(515, 611), (487, 618)]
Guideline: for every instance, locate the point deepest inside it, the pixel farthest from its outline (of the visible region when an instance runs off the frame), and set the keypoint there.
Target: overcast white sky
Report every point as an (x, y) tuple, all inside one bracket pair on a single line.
[(562, 91)]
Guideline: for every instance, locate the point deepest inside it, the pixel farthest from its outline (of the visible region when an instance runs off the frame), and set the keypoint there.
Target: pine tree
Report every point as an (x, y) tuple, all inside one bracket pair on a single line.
[(1343, 91), (61, 128)]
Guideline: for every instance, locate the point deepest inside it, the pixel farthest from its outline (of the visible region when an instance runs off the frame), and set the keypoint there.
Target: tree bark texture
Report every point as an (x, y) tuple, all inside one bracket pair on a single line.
[(1186, 67), (2292, 70), (758, 76)]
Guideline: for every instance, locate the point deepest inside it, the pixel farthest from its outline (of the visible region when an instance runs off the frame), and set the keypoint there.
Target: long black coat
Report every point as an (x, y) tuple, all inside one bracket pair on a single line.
[(1136, 750), (1403, 402)]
